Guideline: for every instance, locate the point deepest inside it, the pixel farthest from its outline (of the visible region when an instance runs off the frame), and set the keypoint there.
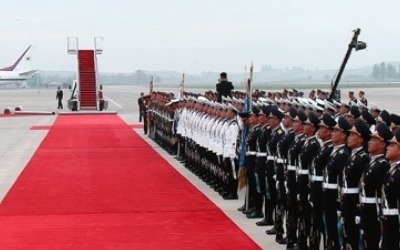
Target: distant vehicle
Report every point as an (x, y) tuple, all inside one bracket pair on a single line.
[(13, 75)]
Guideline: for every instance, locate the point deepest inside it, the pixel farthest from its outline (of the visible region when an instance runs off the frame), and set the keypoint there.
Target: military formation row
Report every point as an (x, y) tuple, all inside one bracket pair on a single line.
[(308, 162)]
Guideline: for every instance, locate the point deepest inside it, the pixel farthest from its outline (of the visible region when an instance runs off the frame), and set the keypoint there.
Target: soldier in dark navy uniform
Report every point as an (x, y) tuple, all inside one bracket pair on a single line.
[(274, 119), (251, 151), (316, 174), (280, 166), (260, 165), (370, 186), (333, 180), (306, 158), (359, 159), (291, 183), (391, 197)]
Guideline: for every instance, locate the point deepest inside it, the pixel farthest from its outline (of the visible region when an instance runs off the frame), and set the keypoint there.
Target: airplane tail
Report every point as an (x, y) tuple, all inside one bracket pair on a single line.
[(12, 67)]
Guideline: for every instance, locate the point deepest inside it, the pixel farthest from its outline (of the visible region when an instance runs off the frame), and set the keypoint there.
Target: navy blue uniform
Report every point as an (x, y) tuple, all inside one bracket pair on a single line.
[(333, 174), (308, 152), (371, 192), (350, 208), (291, 189), (390, 209), (316, 193)]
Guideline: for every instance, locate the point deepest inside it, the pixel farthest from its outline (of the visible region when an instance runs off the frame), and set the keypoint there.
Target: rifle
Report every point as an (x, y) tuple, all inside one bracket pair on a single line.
[(357, 45)]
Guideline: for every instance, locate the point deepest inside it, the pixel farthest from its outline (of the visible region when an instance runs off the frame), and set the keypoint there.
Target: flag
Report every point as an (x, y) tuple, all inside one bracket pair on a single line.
[(151, 85), (182, 86)]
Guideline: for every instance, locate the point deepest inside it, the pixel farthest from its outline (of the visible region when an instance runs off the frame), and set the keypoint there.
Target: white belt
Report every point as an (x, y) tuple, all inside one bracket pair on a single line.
[(302, 171), (270, 158), (350, 190), (368, 200), (251, 153), (390, 211), (291, 168), (261, 154), (317, 178), (280, 160), (330, 185)]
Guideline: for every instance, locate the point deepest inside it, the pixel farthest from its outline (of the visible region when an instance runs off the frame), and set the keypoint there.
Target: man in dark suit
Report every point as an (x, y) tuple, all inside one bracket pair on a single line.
[(142, 108), (224, 87)]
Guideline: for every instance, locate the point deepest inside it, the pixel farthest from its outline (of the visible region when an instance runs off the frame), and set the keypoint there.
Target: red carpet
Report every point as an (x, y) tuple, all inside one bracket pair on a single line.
[(94, 184)]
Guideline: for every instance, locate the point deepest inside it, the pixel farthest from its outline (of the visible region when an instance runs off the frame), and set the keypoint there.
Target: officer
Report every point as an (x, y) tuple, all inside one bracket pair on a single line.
[(316, 174), (359, 159), (281, 160), (306, 158), (291, 183), (231, 134), (251, 152), (261, 157), (274, 120), (334, 174), (391, 195), (371, 183)]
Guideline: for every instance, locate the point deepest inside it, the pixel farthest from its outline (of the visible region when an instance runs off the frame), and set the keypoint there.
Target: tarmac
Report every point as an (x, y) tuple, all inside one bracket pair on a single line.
[(19, 141)]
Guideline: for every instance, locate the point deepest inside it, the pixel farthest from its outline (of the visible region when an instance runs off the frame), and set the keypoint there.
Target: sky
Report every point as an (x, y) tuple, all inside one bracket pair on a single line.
[(195, 36)]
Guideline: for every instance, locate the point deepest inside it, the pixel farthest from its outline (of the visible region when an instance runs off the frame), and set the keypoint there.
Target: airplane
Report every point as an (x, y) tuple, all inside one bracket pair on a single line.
[(13, 75)]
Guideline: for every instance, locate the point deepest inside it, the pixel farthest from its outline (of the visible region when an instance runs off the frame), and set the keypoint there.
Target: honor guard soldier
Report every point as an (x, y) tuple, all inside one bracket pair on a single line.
[(231, 135), (316, 174), (370, 186), (332, 181), (261, 158), (359, 159), (274, 120), (281, 160), (391, 195), (291, 183), (306, 158), (251, 152)]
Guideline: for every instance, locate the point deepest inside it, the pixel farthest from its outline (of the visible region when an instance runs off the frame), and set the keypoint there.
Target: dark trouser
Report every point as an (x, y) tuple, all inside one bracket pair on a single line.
[(304, 223), (232, 183), (101, 105), (291, 198), (349, 212), (140, 116), (281, 199), (317, 225), (370, 226), (60, 105), (391, 232), (251, 182), (331, 219)]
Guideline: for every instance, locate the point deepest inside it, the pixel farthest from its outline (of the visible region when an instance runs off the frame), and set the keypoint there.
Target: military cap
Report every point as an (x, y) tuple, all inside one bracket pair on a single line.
[(396, 137), (329, 105), (292, 112), (266, 109), (244, 114), (232, 108), (301, 116), (343, 125), (395, 119), (361, 92), (255, 110), (336, 103), (343, 103), (351, 92), (362, 105), (327, 121), (276, 113), (362, 129), (374, 107), (382, 132), (384, 116), (367, 117), (312, 119), (354, 111)]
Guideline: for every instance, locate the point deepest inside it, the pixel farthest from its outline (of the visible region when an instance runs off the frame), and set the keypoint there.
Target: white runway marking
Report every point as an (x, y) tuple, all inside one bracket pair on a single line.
[(116, 104)]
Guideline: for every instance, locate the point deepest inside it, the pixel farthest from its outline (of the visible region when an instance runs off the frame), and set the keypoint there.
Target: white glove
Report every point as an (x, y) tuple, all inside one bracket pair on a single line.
[(277, 185), (358, 220)]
